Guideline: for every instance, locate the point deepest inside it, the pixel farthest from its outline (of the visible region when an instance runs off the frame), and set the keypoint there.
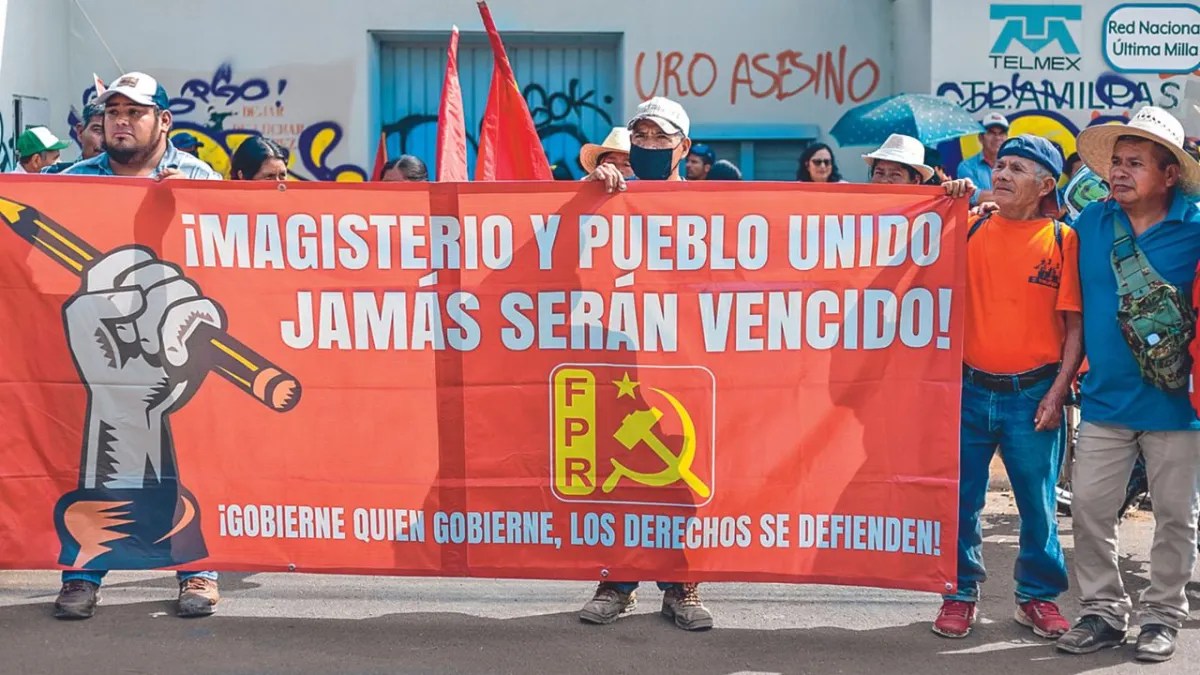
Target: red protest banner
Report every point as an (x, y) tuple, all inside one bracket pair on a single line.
[(728, 381)]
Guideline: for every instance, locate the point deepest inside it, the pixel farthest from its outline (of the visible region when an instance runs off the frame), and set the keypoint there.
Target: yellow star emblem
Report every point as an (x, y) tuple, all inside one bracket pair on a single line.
[(625, 386)]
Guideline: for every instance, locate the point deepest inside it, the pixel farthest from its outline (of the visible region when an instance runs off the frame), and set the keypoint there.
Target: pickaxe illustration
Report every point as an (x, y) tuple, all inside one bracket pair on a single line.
[(638, 427)]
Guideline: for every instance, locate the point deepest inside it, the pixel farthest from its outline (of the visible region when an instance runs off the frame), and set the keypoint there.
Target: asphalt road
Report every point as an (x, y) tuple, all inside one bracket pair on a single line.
[(277, 623)]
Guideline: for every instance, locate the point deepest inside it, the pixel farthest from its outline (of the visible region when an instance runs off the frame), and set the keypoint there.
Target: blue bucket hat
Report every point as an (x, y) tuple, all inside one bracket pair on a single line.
[(1040, 150)]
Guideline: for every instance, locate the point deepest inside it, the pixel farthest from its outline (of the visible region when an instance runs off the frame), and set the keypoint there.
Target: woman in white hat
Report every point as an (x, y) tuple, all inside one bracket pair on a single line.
[(899, 161), (614, 150), (1138, 254)]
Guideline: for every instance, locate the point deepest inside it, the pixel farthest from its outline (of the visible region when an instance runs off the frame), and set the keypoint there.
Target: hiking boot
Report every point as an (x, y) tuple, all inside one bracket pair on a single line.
[(1090, 634), (954, 619), (198, 597), (1043, 617), (1156, 643), (77, 599), (608, 604), (682, 603)]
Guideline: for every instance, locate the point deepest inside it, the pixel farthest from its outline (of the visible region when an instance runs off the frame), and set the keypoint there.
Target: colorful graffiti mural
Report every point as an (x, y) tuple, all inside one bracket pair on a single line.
[(8, 154), (558, 116), (223, 110), (1109, 99)]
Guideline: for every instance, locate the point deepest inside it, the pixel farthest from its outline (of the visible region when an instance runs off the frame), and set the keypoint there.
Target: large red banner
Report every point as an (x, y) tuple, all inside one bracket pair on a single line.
[(679, 382)]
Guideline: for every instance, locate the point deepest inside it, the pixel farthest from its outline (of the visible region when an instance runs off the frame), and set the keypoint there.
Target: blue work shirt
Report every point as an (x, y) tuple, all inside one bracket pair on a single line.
[(189, 166), (1114, 392), (979, 172)]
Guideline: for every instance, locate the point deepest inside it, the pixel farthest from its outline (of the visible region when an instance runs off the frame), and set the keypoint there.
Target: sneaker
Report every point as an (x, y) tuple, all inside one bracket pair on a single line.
[(1090, 634), (1156, 643), (198, 597), (682, 603), (954, 619), (608, 604), (77, 599), (1043, 617)]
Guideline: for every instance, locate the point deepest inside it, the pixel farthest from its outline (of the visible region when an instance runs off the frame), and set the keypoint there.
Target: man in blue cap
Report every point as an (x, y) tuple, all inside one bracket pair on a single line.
[(188, 143), (1022, 347), (700, 161)]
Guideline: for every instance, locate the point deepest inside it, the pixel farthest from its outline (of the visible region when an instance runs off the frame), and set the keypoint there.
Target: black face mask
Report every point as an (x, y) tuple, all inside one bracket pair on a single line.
[(650, 164)]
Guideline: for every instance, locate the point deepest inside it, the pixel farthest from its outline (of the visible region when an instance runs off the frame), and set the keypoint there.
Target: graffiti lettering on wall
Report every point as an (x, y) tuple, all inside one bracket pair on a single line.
[(1048, 124), (558, 116), (1108, 91), (222, 110), (780, 76)]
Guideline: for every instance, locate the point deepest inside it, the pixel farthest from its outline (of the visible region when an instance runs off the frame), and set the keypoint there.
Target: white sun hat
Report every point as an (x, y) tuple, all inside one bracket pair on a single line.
[(1095, 144), (617, 141), (904, 150)]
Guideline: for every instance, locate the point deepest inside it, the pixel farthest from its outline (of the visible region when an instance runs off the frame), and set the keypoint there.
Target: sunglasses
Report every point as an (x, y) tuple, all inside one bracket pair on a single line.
[(822, 162)]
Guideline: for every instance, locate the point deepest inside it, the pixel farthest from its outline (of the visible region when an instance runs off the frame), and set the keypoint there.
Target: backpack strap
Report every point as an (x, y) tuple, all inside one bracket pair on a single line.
[(978, 224), (1133, 271)]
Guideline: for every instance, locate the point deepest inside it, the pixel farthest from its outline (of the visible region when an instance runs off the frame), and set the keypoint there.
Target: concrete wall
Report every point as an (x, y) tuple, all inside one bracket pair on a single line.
[(326, 52), (33, 57)]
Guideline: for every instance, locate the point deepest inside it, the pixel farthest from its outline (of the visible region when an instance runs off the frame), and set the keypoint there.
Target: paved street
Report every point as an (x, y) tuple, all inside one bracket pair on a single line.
[(274, 623)]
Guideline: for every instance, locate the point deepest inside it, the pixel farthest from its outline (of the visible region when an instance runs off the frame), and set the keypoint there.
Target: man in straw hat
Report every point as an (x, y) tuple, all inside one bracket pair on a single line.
[(1138, 253), (1021, 350), (613, 151)]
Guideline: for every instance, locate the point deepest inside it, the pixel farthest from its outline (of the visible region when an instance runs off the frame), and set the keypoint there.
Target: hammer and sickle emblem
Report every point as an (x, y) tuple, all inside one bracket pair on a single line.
[(638, 427)]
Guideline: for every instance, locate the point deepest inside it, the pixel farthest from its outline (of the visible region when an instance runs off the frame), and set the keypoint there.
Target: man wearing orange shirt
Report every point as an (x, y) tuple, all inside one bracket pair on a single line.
[(1022, 348)]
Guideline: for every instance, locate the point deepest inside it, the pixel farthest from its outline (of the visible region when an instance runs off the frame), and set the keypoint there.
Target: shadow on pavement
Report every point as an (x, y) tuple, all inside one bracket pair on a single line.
[(129, 638)]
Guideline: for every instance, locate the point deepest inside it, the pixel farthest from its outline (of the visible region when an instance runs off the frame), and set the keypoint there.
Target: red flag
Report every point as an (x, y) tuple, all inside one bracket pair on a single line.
[(380, 158), (509, 147), (452, 129)]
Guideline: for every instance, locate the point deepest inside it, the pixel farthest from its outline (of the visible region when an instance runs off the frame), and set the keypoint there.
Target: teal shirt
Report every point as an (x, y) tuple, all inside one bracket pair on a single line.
[(1113, 390)]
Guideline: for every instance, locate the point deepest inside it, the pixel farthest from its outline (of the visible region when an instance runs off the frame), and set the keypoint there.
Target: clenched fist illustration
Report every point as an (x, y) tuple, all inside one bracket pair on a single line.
[(128, 329)]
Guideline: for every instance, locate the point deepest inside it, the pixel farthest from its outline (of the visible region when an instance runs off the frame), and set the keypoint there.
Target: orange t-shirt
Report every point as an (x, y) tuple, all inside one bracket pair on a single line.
[(1018, 280)]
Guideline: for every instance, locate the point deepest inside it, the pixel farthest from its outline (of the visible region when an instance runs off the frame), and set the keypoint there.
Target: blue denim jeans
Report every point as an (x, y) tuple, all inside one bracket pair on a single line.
[(1032, 460), (96, 576), (629, 586)]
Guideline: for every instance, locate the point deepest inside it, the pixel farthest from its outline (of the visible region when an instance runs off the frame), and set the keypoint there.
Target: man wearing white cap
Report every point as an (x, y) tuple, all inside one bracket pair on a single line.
[(37, 148), (658, 135), (136, 122), (658, 143), (1138, 254), (979, 168)]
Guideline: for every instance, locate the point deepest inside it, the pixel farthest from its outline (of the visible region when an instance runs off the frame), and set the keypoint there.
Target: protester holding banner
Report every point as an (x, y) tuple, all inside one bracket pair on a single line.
[(817, 165), (899, 161), (613, 150), (1138, 257), (659, 142), (1022, 349), (137, 121), (259, 158)]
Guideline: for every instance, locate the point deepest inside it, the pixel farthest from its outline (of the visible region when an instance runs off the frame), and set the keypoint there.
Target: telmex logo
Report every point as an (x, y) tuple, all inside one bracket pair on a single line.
[(633, 434), (1036, 27)]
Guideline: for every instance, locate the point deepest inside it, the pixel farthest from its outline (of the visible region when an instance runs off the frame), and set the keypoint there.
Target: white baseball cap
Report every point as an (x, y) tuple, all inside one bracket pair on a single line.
[(667, 114), (994, 120), (139, 88)]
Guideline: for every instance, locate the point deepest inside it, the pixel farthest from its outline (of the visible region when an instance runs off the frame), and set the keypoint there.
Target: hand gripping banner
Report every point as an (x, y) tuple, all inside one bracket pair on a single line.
[(679, 382)]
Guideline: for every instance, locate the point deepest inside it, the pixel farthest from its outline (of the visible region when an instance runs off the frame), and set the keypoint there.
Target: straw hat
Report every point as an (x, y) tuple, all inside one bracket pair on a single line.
[(904, 150), (1095, 144), (617, 141)]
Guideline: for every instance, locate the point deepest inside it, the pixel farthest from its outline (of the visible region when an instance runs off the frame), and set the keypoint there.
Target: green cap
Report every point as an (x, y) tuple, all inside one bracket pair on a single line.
[(37, 139)]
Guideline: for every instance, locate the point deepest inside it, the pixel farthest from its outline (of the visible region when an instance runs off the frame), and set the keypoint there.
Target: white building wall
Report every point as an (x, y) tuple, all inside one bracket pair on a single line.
[(326, 52), (33, 56)]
